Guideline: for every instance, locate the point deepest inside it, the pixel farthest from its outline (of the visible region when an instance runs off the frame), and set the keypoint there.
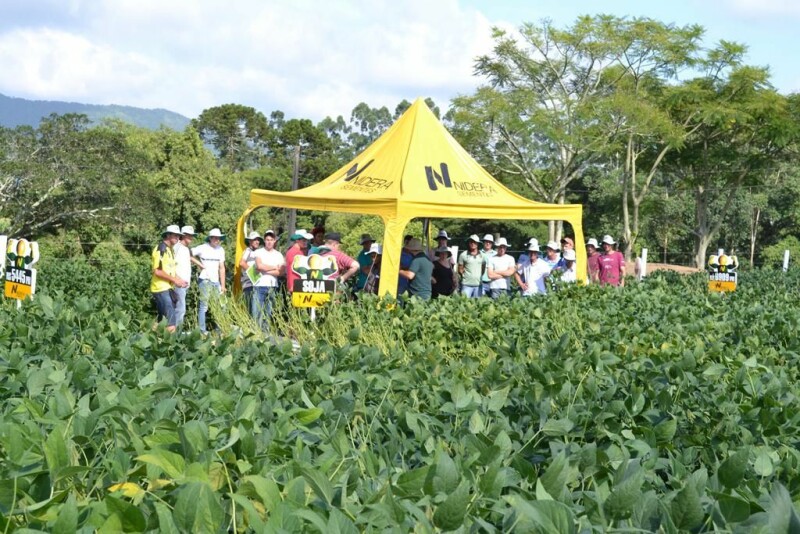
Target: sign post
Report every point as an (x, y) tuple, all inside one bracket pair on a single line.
[(785, 260), (19, 256)]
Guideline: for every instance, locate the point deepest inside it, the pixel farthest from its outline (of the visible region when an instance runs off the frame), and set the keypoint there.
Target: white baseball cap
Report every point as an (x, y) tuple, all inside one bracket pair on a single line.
[(501, 242), (554, 245), (443, 234), (569, 255), (592, 242), (608, 240), (375, 248), (270, 232), (172, 229), (488, 237)]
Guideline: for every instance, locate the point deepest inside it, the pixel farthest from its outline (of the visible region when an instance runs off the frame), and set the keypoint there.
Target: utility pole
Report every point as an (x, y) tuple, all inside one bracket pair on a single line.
[(295, 184)]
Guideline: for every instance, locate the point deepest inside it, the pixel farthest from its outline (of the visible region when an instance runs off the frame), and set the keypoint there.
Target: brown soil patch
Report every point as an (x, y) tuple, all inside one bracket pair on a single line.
[(652, 267)]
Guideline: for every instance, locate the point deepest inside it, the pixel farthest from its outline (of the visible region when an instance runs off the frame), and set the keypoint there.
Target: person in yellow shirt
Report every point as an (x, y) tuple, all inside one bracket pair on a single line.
[(165, 277)]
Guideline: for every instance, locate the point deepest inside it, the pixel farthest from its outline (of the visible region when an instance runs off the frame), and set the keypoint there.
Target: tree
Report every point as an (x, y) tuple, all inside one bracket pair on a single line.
[(538, 113), (746, 130), (646, 56), (238, 133), (63, 174)]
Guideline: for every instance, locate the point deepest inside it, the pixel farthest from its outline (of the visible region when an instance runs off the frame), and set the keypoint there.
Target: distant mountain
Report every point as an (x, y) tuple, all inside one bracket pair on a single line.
[(19, 111)]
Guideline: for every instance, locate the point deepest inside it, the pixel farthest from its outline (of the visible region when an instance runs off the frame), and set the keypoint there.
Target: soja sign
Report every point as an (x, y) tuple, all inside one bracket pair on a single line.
[(316, 283), (18, 260)]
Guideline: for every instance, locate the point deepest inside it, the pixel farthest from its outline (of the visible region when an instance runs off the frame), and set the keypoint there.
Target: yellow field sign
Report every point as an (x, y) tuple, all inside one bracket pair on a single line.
[(722, 282), (312, 293)]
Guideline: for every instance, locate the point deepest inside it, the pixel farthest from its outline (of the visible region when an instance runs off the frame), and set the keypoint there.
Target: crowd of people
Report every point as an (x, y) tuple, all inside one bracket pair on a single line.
[(485, 268)]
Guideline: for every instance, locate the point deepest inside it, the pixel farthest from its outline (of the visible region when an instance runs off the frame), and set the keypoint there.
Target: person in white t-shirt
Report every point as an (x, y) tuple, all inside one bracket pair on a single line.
[(254, 242), (500, 268), (212, 276), (183, 266), (569, 274), (270, 264), (532, 274)]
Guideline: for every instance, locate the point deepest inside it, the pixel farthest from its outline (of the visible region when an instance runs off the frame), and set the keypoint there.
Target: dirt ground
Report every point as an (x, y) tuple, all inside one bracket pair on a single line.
[(652, 267)]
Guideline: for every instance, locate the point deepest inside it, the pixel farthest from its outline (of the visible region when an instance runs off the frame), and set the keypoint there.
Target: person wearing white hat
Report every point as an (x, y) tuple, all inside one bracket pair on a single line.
[(531, 275), (253, 242), (592, 261), (270, 264), (165, 277), (211, 280), (524, 258), (374, 275), (183, 262), (501, 267), (364, 260), (552, 257), (569, 274), (612, 264), (470, 268), (487, 253)]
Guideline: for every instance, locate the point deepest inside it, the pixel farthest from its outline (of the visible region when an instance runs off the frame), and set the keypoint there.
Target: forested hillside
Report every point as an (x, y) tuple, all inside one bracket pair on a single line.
[(21, 112)]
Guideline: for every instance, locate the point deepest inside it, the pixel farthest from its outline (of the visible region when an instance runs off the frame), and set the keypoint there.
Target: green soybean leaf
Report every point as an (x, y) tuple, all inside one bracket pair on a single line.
[(55, 449), (625, 495), (308, 415), (166, 524), (557, 427), (687, 511), (764, 466), (543, 517), (665, 430), (131, 519), (450, 514), (412, 482), (731, 471), (67, 520), (782, 514), (197, 508), (171, 463)]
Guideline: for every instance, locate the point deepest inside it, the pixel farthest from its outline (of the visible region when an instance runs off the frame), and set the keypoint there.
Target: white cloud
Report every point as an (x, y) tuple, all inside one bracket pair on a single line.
[(309, 59), (781, 8)]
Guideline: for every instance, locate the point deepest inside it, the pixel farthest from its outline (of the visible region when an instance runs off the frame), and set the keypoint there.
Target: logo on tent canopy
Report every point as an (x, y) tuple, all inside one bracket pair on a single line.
[(358, 181), (462, 188)]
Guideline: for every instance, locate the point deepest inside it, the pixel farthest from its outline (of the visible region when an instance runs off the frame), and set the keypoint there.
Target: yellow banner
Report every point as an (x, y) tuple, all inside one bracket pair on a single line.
[(310, 300)]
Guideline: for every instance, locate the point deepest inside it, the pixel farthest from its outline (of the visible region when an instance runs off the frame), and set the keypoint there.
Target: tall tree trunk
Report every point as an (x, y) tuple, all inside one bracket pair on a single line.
[(702, 234), (295, 184), (754, 233)]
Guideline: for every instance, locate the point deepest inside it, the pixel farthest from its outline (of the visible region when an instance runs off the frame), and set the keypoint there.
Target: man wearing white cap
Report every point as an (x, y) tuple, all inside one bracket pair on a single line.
[(165, 277), (592, 261), (552, 257), (212, 276), (470, 268), (501, 267), (253, 242), (270, 264), (301, 240), (487, 253), (374, 275), (531, 274), (612, 264), (569, 273), (183, 261)]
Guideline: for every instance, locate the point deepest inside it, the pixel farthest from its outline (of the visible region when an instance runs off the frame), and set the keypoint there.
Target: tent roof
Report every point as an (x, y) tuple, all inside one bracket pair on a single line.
[(418, 163)]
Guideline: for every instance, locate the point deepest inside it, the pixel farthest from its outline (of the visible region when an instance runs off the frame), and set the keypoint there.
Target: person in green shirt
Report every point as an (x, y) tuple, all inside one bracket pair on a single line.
[(471, 267), (420, 272), (488, 252), (364, 261)]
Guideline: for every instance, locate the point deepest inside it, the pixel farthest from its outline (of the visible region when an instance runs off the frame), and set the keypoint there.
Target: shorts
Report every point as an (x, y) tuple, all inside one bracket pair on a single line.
[(165, 309)]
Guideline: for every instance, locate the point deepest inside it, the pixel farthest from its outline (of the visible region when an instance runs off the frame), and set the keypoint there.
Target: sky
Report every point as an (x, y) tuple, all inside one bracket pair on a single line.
[(312, 59)]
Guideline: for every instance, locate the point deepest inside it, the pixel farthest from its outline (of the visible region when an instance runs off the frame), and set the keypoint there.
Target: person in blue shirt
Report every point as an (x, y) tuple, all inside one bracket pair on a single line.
[(405, 262)]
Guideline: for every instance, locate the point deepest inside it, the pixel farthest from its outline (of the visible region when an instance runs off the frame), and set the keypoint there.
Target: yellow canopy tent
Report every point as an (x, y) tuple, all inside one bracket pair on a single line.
[(416, 169)]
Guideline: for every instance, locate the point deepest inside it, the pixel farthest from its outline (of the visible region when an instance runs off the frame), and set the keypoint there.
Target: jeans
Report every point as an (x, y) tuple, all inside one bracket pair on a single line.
[(485, 290), (247, 298), (164, 307), (263, 300), (180, 306), (497, 293), (471, 291), (206, 287)]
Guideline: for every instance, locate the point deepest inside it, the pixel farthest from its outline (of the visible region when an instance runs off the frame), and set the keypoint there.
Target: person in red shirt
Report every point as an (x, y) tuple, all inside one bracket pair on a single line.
[(300, 247), (592, 261), (348, 267), (612, 264)]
